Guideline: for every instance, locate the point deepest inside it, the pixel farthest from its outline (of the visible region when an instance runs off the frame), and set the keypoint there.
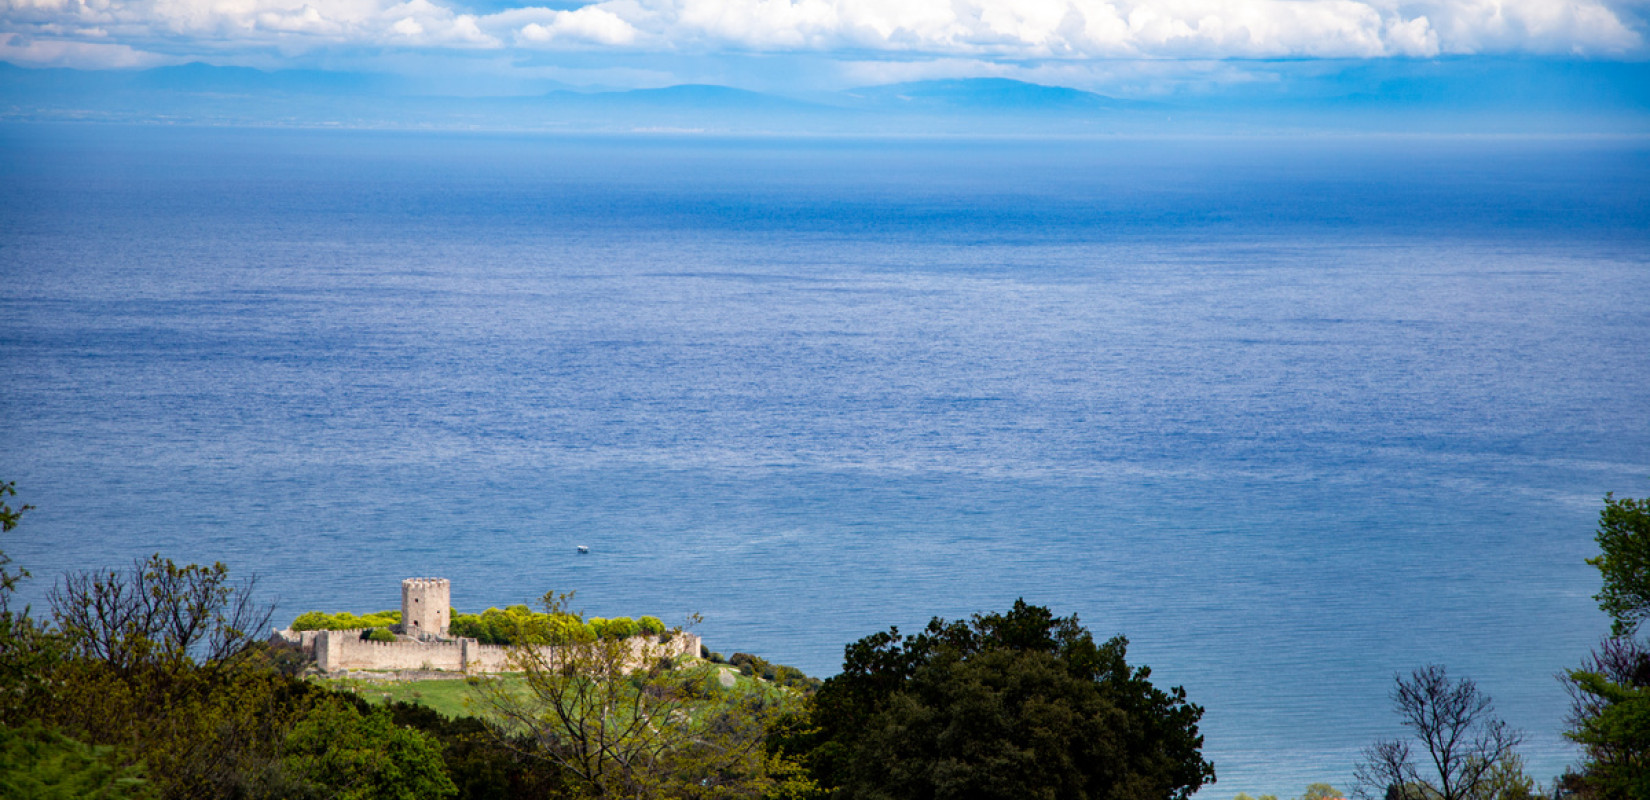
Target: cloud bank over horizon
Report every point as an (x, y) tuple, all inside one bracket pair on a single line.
[(970, 36)]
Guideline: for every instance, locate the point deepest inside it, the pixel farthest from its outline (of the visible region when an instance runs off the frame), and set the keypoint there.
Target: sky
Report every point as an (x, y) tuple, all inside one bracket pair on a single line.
[(1124, 47)]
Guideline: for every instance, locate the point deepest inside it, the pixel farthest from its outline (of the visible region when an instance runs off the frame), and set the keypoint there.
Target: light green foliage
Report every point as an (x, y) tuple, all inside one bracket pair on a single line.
[(38, 763), (380, 635), (345, 621), (366, 756), (616, 628), (1508, 781), (1245, 796), (518, 624), (1320, 791), (449, 697), (565, 628), (620, 722), (9, 517), (1624, 562)]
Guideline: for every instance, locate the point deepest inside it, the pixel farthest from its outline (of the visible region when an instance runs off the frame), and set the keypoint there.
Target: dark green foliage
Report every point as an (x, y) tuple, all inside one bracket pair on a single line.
[(1616, 737), (482, 766), (751, 665), (1624, 562), (1610, 693), (379, 635), (38, 763), (793, 678), (365, 756), (1016, 705)]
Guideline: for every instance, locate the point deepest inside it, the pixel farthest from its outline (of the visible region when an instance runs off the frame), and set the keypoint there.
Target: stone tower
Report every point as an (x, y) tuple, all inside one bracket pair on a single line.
[(426, 604)]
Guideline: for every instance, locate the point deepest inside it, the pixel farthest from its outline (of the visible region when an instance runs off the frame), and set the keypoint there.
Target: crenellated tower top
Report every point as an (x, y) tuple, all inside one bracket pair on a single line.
[(426, 606)]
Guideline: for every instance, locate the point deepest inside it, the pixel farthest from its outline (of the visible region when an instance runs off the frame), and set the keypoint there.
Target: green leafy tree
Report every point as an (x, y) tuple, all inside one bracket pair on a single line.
[(27, 649), (620, 721), (1508, 781), (1624, 562), (1610, 692), (1463, 742), (161, 662), (9, 518), (1015, 705), (1320, 791), (365, 756)]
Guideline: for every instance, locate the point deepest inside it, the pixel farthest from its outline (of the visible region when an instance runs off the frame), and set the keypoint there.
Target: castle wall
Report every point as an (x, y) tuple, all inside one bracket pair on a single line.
[(425, 614), (338, 650), (346, 650)]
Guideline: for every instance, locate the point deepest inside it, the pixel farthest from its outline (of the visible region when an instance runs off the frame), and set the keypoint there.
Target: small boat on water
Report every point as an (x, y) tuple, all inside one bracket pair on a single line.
[(583, 549)]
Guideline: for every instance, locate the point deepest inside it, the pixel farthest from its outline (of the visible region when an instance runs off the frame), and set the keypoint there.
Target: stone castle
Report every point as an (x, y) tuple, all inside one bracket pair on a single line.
[(422, 643)]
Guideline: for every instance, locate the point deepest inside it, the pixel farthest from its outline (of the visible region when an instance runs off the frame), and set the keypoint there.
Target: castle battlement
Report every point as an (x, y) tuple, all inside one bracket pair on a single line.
[(425, 614), (426, 607)]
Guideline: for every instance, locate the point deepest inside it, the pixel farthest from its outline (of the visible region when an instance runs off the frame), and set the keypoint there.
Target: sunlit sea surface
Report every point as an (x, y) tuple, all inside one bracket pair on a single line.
[(1291, 415)]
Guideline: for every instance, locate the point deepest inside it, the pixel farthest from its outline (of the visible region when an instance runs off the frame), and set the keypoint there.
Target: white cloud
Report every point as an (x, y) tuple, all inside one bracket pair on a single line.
[(589, 24), (253, 22), (959, 29), (17, 49)]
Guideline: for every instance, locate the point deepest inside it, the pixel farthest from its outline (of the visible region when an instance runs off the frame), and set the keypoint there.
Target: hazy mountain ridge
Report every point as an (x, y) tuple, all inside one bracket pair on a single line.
[(1503, 96)]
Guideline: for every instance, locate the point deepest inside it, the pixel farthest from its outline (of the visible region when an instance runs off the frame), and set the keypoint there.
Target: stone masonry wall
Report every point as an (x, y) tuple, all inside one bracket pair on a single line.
[(333, 651)]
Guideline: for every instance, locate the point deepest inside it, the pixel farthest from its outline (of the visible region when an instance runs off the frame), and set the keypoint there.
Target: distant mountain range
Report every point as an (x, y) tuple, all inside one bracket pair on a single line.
[(1484, 95)]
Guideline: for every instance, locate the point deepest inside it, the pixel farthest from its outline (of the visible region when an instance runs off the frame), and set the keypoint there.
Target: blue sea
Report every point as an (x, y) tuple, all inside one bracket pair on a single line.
[(1293, 415)]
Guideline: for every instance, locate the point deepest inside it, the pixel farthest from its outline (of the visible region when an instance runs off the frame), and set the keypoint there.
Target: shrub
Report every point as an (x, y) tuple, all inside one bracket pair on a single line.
[(566, 629), (653, 626), (344, 621), (379, 635), (620, 628), (751, 665)]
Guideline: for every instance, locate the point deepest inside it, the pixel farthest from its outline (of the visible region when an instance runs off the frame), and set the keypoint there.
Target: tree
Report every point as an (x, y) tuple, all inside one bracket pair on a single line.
[(1320, 791), (160, 661), (1015, 705), (159, 613), (365, 756), (1610, 692), (1464, 742), (9, 517), (616, 716), (1624, 539), (26, 647)]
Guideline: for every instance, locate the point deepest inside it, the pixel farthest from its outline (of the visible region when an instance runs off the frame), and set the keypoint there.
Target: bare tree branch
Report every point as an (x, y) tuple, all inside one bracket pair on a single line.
[(1459, 735), (159, 612)]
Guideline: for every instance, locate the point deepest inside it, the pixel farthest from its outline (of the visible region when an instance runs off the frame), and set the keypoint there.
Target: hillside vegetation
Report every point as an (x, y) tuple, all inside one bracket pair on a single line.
[(148, 682)]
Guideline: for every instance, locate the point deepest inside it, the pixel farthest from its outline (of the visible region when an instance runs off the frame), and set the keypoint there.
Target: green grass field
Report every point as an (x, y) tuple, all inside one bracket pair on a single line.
[(453, 697), (449, 697)]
